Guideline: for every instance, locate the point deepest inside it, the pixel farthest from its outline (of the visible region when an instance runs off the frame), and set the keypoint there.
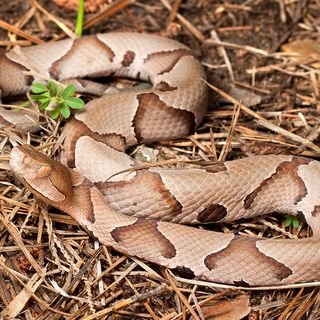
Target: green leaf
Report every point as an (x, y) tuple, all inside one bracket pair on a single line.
[(295, 222), (54, 114), (56, 99), (59, 90), (65, 111), (52, 88), (24, 104), (69, 91), (288, 221), (291, 221), (37, 97), (38, 88), (74, 103), (44, 105), (44, 100)]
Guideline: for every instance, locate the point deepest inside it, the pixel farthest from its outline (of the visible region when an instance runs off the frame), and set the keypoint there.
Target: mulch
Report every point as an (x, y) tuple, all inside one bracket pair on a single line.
[(262, 63)]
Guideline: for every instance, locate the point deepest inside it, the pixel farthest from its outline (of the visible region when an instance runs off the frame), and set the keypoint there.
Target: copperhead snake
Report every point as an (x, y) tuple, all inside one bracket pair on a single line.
[(123, 209)]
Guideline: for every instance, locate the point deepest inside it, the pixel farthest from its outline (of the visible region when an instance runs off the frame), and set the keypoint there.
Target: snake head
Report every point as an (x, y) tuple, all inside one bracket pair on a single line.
[(46, 178)]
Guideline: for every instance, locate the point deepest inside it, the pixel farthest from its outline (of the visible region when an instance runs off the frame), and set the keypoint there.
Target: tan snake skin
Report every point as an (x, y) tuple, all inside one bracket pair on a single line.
[(122, 210)]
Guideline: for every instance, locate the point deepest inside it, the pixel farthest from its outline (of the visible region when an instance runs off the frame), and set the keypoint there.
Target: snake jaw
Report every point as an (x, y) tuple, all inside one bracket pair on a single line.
[(18, 162), (49, 179), (15, 161)]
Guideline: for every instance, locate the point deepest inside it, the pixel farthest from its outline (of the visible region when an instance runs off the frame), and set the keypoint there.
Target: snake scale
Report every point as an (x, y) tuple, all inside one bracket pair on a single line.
[(144, 213)]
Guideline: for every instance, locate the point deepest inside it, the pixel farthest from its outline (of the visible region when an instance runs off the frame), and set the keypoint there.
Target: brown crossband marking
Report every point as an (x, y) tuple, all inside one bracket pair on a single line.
[(128, 58), (241, 283), (287, 169), (90, 44), (166, 59), (184, 272), (164, 86), (216, 167), (245, 248), (144, 234), (141, 193), (83, 199), (75, 129), (301, 215), (154, 120), (213, 213), (316, 211)]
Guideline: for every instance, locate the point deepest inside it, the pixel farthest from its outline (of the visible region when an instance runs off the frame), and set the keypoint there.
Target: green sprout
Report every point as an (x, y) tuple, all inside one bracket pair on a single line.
[(56, 99), (290, 220), (79, 24)]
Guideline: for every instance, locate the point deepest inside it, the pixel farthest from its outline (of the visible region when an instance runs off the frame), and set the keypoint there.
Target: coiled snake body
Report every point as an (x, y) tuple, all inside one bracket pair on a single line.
[(122, 209)]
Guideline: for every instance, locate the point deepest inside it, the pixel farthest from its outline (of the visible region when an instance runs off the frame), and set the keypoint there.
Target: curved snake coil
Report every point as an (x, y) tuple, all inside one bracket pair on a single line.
[(138, 213)]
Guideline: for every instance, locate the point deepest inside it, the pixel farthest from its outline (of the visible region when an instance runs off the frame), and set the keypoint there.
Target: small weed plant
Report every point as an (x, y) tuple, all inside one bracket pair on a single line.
[(56, 99), (291, 221)]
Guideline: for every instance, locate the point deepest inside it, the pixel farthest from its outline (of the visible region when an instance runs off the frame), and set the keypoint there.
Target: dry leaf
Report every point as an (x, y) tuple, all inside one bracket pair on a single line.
[(305, 51), (248, 98), (234, 309), (145, 154)]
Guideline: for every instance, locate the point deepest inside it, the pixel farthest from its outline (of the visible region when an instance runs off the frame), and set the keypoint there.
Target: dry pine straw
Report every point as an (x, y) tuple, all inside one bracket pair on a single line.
[(50, 268)]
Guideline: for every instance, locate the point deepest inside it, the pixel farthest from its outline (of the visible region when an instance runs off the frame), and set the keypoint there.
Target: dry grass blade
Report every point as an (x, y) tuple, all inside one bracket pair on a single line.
[(315, 309), (21, 43), (23, 22), (51, 17), (19, 302), (102, 313), (236, 46), (185, 22), (224, 54), (267, 124), (112, 9), (174, 11), (227, 145), (12, 229), (14, 202), (231, 287), (124, 303), (20, 32), (30, 292), (304, 306), (290, 305), (181, 296)]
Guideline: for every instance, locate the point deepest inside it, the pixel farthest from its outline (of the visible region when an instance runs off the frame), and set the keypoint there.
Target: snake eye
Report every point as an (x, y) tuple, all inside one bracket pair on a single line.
[(44, 171)]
